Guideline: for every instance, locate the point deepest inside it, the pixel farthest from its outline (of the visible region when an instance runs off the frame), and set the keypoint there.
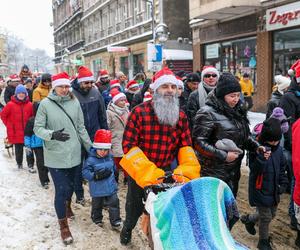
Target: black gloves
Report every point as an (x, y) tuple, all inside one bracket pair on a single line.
[(102, 174), (60, 136)]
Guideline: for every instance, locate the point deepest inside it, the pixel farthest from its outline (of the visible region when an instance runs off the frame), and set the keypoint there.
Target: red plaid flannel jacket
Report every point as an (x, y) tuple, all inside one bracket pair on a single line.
[(160, 143)]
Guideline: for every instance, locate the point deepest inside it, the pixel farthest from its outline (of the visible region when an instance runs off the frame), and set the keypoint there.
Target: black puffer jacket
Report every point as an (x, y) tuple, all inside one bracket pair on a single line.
[(290, 103), (214, 122), (273, 102), (185, 97)]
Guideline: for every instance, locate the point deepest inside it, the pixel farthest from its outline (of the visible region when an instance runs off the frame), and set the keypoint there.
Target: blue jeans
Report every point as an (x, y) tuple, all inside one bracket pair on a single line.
[(63, 180)]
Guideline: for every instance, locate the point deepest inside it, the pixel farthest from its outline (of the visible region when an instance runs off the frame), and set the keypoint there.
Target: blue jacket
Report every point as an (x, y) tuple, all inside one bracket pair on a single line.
[(105, 187), (267, 178), (30, 139), (107, 97), (93, 108)]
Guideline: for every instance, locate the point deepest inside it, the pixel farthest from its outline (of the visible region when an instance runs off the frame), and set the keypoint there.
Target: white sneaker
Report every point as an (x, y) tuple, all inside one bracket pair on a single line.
[(31, 170)]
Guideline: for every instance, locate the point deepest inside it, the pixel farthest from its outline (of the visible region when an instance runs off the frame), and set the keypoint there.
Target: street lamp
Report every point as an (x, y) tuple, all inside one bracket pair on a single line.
[(162, 32)]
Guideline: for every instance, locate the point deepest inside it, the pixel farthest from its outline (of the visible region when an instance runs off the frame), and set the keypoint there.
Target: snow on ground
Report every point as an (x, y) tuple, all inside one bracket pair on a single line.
[(28, 219)]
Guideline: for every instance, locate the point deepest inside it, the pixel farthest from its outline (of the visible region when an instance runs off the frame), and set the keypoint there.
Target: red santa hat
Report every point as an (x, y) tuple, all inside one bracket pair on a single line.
[(103, 73), (15, 78), (294, 71), (209, 69), (61, 79), (132, 84), (161, 77), (84, 75), (102, 139), (116, 95), (114, 83), (147, 96)]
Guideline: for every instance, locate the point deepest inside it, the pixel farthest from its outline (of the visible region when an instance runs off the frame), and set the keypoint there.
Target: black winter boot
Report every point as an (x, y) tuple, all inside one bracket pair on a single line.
[(125, 236), (297, 241), (249, 225), (264, 244)]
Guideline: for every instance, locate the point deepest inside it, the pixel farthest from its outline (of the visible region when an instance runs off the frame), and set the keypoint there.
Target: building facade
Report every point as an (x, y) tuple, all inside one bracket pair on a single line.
[(3, 55), (113, 34), (258, 37), (68, 34)]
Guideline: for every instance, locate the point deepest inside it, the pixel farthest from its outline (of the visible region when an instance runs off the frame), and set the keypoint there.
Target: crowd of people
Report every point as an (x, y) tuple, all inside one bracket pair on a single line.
[(187, 124)]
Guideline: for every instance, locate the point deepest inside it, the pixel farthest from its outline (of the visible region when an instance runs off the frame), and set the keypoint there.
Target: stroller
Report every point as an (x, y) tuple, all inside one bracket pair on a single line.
[(194, 215)]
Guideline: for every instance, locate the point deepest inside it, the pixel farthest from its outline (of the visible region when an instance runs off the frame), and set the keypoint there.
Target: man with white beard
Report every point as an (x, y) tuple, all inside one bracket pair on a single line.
[(157, 133)]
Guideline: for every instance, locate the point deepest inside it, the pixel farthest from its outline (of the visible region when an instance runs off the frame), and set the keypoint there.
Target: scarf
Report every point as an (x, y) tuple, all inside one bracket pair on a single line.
[(203, 89), (120, 111)]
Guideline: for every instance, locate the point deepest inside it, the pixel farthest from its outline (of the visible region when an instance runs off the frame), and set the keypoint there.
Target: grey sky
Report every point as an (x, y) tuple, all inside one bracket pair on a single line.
[(30, 21)]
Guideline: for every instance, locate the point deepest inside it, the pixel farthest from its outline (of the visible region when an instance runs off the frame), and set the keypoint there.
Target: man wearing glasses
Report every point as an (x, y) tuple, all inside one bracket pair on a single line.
[(94, 112), (197, 99)]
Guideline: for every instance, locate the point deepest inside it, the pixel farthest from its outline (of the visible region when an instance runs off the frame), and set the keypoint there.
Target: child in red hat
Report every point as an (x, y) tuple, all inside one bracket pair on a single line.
[(99, 170)]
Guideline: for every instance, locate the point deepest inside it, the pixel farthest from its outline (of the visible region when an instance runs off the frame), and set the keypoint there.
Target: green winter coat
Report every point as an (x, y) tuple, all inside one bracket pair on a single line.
[(50, 118)]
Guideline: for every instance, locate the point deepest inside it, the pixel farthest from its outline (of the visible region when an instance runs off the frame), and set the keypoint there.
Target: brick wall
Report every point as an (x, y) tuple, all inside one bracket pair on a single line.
[(264, 71)]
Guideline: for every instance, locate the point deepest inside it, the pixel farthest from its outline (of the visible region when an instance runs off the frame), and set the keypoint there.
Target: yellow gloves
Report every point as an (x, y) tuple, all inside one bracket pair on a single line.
[(138, 166), (188, 165)]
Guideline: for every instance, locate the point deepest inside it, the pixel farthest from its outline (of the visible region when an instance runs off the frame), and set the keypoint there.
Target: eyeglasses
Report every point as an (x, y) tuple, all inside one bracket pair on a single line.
[(64, 87), (87, 83), (210, 75)]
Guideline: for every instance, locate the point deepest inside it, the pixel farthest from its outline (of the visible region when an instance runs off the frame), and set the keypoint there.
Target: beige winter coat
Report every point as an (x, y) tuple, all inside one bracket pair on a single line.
[(116, 125)]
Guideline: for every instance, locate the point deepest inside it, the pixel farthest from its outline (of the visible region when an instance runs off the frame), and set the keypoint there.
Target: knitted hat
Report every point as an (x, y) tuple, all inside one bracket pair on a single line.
[(116, 95), (179, 82), (228, 145), (84, 75), (209, 69), (271, 130), (163, 76), (21, 89), (192, 77), (102, 139), (147, 96), (114, 83), (14, 78), (227, 84), (132, 84), (282, 83), (103, 73), (60, 79), (278, 114)]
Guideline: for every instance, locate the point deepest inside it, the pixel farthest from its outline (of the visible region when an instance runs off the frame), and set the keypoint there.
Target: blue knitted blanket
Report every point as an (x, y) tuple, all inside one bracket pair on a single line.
[(196, 215)]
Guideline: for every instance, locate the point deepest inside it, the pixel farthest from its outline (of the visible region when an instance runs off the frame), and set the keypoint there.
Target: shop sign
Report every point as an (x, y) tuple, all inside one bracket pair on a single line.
[(212, 51), (117, 49), (283, 16)]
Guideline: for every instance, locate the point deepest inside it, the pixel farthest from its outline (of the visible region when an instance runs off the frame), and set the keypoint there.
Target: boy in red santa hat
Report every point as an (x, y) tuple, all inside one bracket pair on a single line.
[(99, 170)]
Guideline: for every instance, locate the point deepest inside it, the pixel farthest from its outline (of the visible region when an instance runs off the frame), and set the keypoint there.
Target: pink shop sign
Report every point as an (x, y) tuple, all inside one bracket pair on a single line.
[(283, 16)]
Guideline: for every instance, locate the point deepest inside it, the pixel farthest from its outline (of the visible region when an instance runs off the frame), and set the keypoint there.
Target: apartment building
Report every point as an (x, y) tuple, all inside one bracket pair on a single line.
[(127, 25), (68, 34), (260, 37)]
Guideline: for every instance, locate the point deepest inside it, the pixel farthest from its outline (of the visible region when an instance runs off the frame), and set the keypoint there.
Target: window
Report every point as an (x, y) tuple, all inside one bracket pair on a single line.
[(124, 65), (286, 45), (138, 62)]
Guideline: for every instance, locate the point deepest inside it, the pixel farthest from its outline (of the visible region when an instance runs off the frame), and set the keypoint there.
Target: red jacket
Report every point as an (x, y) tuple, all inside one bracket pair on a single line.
[(296, 159), (15, 116), (160, 143)]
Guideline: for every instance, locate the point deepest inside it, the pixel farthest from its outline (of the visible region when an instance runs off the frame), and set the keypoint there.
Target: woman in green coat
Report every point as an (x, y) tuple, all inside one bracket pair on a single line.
[(59, 122)]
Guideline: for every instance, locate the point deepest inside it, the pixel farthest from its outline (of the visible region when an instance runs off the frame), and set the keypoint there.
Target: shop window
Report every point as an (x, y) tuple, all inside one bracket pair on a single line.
[(124, 65), (286, 46), (236, 56), (138, 64)]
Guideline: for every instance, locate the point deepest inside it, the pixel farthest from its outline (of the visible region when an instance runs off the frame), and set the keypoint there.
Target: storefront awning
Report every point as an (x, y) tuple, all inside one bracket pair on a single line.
[(175, 54)]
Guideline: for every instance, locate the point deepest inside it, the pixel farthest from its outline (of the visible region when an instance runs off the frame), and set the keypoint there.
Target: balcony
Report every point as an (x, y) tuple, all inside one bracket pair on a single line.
[(221, 9)]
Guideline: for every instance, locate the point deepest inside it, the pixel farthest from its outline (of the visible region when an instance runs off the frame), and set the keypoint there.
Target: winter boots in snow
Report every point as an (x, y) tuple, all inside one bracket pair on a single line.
[(249, 225), (125, 236), (65, 233), (69, 212), (297, 241), (264, 244), (31, 169)]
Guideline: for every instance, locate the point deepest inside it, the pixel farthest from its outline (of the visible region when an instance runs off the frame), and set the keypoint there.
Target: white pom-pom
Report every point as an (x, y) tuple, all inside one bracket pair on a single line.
[(291, 72)]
